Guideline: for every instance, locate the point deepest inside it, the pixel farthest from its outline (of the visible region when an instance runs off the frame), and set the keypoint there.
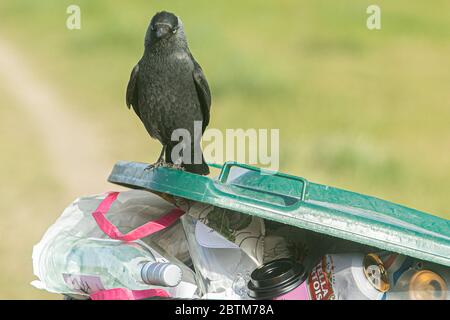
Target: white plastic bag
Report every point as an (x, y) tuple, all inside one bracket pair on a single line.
[(130, 210)]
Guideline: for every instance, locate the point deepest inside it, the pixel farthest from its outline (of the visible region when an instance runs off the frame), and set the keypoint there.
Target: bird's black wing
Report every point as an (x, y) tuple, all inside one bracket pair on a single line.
[(132, 90), (203, 92)]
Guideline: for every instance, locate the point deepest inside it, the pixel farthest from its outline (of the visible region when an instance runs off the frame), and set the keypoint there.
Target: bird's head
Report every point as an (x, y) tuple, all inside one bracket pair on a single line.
[(163, 26)]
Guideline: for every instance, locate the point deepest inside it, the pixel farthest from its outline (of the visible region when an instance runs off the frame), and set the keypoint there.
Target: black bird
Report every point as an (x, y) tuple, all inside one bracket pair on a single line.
[(168, 91)]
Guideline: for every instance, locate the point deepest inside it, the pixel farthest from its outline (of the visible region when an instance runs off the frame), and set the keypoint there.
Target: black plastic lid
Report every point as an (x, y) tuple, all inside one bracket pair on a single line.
[(275, 278)]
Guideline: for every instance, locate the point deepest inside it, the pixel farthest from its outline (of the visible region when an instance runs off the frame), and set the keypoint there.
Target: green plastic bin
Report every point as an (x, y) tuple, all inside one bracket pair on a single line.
[(298, 202)]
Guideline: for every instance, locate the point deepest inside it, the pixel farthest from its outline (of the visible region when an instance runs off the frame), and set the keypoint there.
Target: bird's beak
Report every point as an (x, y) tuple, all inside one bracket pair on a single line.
[(162, 31)]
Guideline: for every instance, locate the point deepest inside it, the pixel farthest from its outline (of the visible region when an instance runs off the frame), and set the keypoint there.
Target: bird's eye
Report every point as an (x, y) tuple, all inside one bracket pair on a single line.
[(174, 30), (152, 27)]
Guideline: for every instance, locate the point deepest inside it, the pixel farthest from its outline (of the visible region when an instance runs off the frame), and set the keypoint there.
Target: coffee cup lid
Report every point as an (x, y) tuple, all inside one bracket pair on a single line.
[(275, 278)]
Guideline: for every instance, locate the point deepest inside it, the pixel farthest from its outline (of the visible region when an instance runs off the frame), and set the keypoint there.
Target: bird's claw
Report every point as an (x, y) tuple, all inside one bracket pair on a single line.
[(160, 163), (177, 166)]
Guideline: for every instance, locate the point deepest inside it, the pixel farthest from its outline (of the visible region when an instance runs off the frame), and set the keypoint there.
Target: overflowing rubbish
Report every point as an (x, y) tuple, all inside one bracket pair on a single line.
[(141, 245), (221, 255)]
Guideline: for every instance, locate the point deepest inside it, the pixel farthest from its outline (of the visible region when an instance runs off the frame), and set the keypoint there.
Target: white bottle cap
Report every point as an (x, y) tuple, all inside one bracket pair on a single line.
[(161, 274)]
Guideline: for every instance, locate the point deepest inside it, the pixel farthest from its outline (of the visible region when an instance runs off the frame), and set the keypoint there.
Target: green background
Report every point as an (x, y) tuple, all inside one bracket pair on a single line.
[(363, 110)]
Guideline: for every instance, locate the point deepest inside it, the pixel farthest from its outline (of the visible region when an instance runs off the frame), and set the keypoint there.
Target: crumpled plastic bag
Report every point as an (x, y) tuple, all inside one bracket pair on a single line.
[(245, 231), (130, 210)]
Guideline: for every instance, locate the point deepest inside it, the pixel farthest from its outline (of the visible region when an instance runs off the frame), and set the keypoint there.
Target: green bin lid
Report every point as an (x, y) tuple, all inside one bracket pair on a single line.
[(295, 201)]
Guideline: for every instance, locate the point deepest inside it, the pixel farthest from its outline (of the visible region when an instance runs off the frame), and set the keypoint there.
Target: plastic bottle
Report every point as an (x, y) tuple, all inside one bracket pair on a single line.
[(86, 265)]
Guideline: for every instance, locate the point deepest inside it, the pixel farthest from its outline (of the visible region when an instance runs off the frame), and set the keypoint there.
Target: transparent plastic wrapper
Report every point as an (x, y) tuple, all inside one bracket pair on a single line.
[(223, 268), (130, 210), (225, 247), (245, 231)]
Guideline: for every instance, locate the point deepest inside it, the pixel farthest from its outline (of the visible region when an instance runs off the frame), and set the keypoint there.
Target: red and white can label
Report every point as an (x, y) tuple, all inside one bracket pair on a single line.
[(320, 280)]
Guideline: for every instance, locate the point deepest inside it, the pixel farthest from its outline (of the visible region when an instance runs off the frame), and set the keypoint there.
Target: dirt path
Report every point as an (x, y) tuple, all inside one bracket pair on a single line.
[(73, 144)]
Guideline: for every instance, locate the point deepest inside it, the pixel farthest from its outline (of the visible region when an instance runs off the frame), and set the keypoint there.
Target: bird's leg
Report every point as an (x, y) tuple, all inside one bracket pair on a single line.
[(160, 162)]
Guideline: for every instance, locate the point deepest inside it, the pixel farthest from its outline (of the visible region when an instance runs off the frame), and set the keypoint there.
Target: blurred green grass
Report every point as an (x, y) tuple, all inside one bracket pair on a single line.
[(363, 110), (30, 200)]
